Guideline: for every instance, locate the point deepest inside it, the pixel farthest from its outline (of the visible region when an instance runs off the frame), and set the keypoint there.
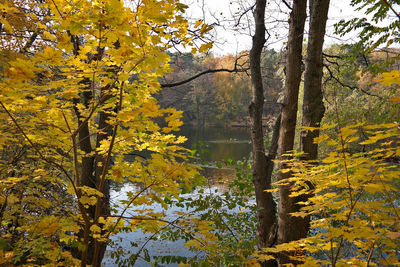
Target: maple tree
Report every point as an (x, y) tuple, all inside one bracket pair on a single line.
[(353, 205), (76, 97)]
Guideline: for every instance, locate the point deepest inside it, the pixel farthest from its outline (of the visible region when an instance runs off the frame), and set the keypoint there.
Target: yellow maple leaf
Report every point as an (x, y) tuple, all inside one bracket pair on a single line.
[(320, 139), (388, 78)]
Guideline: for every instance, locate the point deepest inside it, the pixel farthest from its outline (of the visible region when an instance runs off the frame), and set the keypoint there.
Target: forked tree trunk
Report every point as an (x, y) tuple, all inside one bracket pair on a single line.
[(266, 206), (291, 228), (313, 106)]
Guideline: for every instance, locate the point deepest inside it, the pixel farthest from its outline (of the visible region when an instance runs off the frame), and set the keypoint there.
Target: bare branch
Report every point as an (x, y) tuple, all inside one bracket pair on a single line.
[(244, 13), (234, 70), (286, 4), (333, 77)]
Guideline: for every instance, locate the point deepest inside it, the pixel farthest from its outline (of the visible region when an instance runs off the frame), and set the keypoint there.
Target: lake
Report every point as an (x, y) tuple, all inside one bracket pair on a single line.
[(221, 143), (213, 145)]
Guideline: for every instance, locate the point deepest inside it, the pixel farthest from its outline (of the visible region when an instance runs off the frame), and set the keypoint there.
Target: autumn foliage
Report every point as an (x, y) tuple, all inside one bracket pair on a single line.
[(76, 98), (78, 115)]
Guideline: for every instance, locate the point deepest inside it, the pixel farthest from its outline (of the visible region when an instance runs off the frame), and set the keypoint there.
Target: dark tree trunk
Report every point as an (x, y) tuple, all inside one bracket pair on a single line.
[(265, 203), (291, 228), (90, 176), (86, 177), (313, 106), (99, 248)]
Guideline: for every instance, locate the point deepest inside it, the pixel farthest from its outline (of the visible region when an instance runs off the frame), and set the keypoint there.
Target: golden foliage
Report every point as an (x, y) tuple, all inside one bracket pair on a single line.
[(65, 66), (353, 202)]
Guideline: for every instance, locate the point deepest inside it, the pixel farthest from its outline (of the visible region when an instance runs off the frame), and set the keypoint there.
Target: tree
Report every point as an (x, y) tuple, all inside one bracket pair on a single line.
[(76, 99), (352, 174), (313, 106), (261, 164), (355, 220), (289, 227)]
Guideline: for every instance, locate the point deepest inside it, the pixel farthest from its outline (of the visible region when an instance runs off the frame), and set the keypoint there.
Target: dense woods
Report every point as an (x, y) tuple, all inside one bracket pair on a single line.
[(220, 97), (93, 95)]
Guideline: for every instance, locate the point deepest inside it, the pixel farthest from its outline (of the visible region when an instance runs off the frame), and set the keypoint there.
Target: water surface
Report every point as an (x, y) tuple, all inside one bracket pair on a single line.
[(214, 145)]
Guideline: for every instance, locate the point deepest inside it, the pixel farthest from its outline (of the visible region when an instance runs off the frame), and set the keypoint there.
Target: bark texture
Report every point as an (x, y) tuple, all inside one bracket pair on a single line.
[(291, 228), (313, 106), (265, 203)]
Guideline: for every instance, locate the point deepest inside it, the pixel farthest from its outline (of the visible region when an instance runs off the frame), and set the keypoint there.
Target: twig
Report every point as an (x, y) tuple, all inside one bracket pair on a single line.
[(286, 4), (244, 13)]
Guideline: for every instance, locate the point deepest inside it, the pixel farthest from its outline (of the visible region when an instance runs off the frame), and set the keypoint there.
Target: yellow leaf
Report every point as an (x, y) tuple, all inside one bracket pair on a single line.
[(95, 228), (124, 76), (332, 142), (180, 139), (333, 157), (320, 139), (347, 131), (327, 126), (85, 200), (49, 36), (368, 142), (352, 139), (388, 78), (41, 26), (48, 226), (205, 28), (205, 47), (395, 99), (272, 190), (307, 128), (198, 23)]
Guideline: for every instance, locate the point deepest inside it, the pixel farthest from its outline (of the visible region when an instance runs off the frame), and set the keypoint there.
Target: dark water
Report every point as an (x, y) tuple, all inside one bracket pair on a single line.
[(221, 143), (214, 145)]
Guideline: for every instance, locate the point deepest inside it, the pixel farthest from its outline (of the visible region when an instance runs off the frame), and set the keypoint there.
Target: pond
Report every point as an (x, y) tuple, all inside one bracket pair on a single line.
[(213, 145)]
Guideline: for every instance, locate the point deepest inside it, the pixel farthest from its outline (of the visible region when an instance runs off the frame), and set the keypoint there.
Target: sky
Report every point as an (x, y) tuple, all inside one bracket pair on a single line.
[(236, 39)]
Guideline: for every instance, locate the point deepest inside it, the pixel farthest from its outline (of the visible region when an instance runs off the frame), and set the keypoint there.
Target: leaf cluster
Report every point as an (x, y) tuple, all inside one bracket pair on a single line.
[(353, 200)]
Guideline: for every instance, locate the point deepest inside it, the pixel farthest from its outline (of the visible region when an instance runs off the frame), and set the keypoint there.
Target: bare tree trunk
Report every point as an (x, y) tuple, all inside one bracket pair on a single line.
[(313, 106), (289, 227), (265, 203)]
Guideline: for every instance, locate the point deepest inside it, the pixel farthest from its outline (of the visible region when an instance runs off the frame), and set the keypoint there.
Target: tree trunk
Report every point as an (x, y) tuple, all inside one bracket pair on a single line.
[(313, 106), (99, 248), (86, 172), (90, 176), (291, 228), (267, 208)]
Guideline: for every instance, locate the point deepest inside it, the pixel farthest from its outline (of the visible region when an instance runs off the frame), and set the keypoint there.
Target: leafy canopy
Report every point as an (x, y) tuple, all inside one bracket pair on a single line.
[(76, 94)]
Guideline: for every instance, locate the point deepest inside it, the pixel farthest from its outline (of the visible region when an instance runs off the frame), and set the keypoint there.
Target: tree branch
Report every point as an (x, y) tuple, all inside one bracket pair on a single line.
[(331, 76), (391, 8), (168, 85), (286, 4), (244, 13)]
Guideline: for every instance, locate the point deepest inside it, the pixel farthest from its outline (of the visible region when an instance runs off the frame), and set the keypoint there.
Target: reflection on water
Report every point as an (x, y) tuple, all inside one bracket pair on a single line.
[(133, 242), (221, 144)]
